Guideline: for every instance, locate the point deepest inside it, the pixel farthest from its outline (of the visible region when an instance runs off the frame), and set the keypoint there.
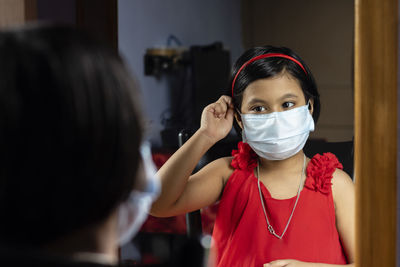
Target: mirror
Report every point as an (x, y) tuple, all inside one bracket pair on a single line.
[(323, 35), (321, 32)]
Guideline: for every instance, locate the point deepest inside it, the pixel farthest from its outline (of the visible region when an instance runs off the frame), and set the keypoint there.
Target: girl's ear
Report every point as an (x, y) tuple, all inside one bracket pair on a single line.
[(311, 105), (238, 119)]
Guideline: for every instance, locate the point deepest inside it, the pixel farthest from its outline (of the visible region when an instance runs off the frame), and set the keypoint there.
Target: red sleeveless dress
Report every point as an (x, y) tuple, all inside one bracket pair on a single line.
[(240, 235)]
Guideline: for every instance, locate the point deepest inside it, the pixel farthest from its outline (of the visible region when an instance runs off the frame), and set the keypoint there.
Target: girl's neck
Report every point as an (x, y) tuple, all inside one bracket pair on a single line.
[(287, 165)]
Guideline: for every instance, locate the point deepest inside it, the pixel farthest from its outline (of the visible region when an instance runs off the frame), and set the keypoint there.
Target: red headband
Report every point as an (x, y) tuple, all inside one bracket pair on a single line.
[(266, 56)]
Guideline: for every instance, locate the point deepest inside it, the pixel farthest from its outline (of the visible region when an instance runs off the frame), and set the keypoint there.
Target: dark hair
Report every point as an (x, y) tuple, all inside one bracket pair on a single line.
[(70, 133), (270, 67)]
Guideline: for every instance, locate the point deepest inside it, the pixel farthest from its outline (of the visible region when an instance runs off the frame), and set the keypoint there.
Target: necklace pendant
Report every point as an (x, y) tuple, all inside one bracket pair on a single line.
[(271, 230)]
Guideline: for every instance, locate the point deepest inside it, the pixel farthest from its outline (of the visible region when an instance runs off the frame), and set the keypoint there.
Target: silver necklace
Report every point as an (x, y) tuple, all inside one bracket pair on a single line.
[(270, 228)]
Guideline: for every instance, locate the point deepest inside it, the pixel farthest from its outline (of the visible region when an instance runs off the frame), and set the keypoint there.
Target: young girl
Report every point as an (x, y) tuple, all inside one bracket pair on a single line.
[(276, 206)]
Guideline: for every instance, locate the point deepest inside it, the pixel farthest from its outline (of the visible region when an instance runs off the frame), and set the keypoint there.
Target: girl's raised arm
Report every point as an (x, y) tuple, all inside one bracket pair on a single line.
[(182, 192)]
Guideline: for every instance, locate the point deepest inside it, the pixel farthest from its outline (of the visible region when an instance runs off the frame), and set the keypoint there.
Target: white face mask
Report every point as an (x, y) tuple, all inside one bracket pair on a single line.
[(277, 135), (134, 211)]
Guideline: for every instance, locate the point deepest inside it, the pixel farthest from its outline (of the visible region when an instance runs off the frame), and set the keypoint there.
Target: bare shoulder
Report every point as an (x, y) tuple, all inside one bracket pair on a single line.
[(342, 185), (341, 179)]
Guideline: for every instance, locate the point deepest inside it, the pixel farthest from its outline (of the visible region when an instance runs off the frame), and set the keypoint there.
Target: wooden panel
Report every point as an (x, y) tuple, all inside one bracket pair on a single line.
[(99, 17), (17, 12), (30, 10), (11, 12), (375, 131)]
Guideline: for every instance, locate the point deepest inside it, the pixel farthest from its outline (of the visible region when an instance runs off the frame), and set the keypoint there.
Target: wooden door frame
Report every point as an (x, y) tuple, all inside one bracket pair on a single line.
[(99, 17), (376, 50)]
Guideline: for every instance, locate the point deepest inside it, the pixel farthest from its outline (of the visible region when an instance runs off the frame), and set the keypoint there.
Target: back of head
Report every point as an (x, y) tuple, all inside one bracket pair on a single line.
[(69, 133)]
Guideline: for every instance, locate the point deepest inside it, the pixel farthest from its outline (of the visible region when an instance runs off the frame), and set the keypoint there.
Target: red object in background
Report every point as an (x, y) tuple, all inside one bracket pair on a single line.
[(177, 224), (208, 216), (160, 158)]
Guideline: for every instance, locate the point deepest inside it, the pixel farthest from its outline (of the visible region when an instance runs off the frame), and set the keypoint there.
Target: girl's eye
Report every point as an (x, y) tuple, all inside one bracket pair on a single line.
[(287, 104), (258, 109)]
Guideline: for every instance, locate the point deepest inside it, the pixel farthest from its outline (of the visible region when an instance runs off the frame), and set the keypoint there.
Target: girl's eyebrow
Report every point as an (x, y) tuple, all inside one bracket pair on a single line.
[(289, 96), (256, 100)]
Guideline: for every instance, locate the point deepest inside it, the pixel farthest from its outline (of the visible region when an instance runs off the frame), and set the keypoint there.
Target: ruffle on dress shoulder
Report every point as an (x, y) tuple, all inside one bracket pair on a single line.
[(320, 171), (244, 158)]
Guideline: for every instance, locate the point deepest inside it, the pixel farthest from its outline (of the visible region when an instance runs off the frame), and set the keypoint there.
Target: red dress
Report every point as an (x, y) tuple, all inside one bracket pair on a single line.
[(240, 232)]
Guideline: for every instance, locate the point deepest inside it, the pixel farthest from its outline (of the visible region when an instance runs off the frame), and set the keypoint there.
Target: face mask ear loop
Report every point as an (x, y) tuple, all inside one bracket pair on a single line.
[(240, 114), (239, 117), (309, 103)]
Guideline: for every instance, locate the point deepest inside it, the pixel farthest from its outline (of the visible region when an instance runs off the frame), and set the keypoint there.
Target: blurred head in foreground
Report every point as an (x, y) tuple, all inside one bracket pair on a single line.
[(70, 136)]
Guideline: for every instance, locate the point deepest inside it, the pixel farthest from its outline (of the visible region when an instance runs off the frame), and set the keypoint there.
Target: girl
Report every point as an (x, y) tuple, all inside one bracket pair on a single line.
[(276, 206)]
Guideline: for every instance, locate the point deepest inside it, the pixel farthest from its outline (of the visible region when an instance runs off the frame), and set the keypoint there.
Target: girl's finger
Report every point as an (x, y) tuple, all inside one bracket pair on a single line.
[(220, 109), (230, 113), (229, 101), (210, 108), (226, 99)]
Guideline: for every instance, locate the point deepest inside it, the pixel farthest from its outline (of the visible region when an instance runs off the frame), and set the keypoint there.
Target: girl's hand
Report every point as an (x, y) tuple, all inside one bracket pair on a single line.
[(288, 263), (217, 119)]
